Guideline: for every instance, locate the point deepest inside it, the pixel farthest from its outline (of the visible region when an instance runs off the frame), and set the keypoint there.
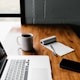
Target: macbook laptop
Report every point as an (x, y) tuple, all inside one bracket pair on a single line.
[(24, 67)]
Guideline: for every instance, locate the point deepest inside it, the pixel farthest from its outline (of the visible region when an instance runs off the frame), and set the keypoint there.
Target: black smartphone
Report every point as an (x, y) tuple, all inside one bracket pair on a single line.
[(70, 65)]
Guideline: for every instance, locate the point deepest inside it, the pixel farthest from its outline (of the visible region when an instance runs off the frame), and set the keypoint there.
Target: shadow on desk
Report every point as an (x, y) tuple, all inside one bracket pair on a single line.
[(32, 52)]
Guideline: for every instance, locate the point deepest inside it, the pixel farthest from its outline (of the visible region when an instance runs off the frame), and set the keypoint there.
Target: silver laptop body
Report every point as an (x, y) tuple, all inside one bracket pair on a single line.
[(24, 67)]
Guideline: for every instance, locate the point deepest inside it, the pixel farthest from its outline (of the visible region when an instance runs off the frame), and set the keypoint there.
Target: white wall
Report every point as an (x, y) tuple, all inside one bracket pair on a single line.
[(6, 23), (9, 6)]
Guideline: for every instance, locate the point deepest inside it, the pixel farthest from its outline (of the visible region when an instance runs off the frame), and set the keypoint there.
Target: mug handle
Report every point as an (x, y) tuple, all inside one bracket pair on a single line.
[(18, 38)]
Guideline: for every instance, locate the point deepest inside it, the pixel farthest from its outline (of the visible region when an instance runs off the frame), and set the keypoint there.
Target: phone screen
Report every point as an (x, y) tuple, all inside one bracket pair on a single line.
[(71, 65)]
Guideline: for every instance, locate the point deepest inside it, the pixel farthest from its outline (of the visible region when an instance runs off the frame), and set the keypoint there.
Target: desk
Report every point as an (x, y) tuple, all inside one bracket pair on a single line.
[(64, 34)]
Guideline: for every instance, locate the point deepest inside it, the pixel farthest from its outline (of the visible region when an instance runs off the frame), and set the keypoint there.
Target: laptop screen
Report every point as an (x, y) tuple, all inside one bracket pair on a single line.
[(2, 58), (2, 52)]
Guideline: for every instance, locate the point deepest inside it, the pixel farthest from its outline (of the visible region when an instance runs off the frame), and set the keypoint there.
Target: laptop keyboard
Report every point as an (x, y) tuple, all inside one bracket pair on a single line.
[(18, 70)]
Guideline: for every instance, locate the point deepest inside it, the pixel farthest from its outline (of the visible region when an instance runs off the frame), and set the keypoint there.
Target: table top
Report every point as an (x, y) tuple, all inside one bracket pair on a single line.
[(63, 33)]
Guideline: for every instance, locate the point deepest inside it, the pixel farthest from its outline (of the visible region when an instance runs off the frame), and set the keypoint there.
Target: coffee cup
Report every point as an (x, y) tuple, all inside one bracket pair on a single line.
[(25, 41)]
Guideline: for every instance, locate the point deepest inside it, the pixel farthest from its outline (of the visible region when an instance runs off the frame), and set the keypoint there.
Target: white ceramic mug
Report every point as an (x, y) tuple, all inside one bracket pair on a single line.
[(26, 41)]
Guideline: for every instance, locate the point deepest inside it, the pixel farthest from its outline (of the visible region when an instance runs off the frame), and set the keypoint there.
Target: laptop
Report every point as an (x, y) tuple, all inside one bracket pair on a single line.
[(24, 67)]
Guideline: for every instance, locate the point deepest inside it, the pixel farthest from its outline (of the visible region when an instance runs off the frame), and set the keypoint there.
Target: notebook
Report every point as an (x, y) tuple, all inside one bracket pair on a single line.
[(24, 67), (55, 46)]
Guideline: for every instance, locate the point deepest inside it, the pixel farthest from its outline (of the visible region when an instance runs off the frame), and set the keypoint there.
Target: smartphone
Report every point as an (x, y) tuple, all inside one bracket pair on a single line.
[(70, 65)]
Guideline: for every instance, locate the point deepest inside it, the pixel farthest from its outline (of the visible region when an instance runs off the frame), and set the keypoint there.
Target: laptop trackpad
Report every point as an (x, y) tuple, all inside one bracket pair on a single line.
[(39, 74)]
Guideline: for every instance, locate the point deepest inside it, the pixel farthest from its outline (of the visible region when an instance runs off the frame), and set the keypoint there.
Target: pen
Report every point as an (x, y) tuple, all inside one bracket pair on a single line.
[(53, 50)]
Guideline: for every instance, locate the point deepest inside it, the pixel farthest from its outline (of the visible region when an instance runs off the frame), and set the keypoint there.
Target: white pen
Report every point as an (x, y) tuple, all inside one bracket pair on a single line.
[(53, 50)]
